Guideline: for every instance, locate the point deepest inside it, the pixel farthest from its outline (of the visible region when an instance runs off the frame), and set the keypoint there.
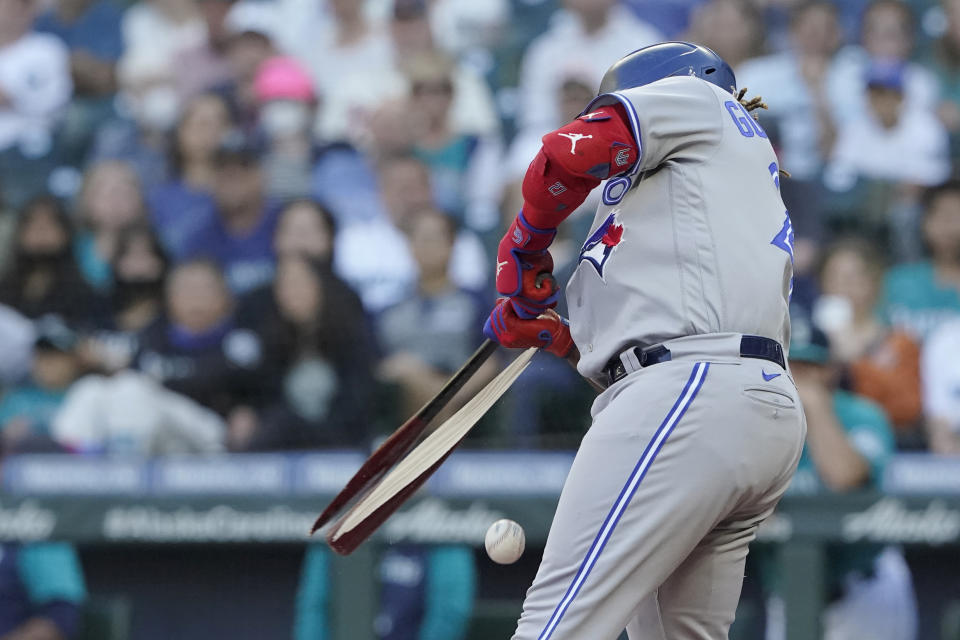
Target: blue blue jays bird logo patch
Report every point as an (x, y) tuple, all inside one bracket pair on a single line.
[(602, 242)]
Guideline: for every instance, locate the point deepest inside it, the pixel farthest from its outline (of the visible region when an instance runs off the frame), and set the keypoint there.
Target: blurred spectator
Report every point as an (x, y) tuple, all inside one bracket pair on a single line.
[(413, 36), (240, 236), (882, 364), (307, 229), (159, 30), (147, 108), (887, 37), (589, 34), (139, 268), (207, 59), (464, 167), (920, 296), (251, 43), (732, 28), (131, 414), (110, 202), (344, 180), (8, 226), (848, 444), (44, 278), (17, 335), (91, 30), (27, 410), (431, 333), (287, 105), (42, 591), (426, 593), (351, 62), (374, 257), (671, 17), (941, 379), (874, 146), (797, 83), (945, 63), (35, 81), (462, 27), (318, 352), (359, 64), (180, 208), (390, 130), (199, 350)]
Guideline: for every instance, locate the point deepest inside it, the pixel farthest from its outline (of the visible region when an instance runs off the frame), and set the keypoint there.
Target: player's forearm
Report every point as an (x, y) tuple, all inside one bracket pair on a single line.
[(573, 160)]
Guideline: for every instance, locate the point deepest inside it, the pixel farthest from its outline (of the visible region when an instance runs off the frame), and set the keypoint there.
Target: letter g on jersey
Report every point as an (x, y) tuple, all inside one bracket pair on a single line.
[(601, 244)]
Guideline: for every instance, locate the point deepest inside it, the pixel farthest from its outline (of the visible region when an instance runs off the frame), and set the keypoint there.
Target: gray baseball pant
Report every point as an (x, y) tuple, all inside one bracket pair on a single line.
[(683, 461)]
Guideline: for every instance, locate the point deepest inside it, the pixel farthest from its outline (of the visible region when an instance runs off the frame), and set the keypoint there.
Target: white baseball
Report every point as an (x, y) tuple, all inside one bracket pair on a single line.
[(505, 541)]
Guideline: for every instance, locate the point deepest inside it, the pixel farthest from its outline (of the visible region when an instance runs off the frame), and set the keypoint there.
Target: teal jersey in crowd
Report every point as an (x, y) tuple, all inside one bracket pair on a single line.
[(870, 433), (442, 587), (868, 430), (34, 405), (41, 580), (51, 571), (95, 270), (915, 301)]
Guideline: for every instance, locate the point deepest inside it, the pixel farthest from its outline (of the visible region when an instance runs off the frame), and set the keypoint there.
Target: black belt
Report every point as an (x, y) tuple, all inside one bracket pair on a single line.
[(750, 347)]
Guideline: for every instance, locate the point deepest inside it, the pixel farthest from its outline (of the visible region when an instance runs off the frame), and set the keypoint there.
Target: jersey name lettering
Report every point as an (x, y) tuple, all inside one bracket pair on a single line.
[(746, 125)]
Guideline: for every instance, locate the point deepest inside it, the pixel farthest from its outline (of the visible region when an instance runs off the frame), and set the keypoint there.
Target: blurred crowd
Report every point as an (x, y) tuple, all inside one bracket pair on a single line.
[(260, 225), (268, 224)]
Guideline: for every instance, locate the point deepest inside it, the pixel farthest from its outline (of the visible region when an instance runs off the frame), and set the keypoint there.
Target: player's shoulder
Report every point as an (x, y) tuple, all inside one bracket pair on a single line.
[(675, 84), (671, 94)]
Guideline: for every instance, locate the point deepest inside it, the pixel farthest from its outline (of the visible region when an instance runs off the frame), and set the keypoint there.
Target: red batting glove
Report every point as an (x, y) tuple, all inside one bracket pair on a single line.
[(548, 331), (538, 288), (522, 259)]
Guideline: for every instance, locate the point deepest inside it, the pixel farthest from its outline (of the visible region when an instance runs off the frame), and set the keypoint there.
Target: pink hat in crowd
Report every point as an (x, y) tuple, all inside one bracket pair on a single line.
[(282, 78)]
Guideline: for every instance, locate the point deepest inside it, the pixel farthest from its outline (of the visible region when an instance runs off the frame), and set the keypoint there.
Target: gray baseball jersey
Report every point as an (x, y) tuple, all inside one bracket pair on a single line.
[(694, 239)]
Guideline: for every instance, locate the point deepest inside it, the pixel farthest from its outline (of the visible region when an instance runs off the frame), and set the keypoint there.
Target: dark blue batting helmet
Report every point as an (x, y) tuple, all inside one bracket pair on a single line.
[(666, 59)]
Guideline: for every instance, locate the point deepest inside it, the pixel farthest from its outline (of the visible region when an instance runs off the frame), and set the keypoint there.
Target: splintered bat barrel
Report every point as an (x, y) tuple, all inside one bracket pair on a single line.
[(403, 439), (389, 494)]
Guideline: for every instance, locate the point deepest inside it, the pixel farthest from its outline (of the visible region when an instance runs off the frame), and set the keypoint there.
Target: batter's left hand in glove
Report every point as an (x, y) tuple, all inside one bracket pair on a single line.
[(521, 257), (548, 331), (538, 287)]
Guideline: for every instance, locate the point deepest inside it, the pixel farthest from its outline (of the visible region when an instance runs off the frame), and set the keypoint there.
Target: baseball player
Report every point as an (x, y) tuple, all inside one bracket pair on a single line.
[(678, 311)]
